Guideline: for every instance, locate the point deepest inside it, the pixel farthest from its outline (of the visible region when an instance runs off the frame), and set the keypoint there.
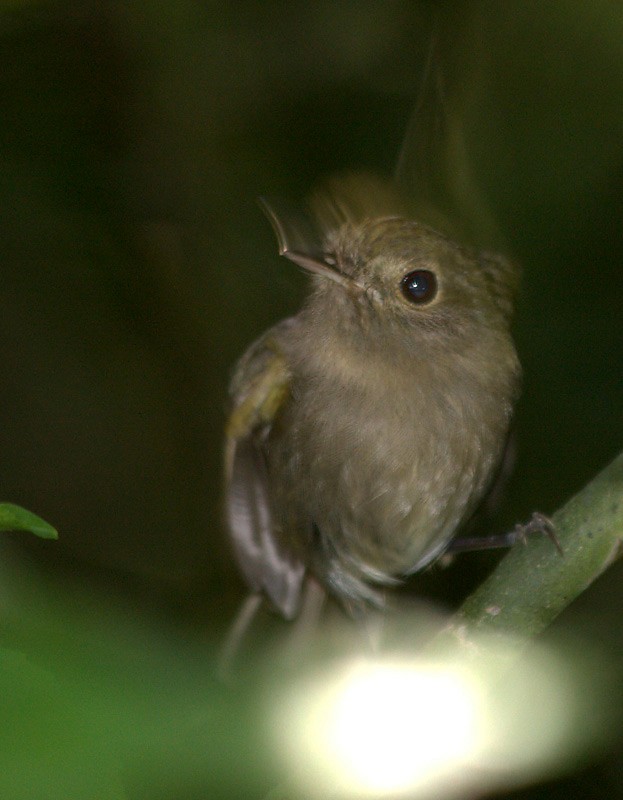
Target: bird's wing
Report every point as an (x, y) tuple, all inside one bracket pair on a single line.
[(259, 388)]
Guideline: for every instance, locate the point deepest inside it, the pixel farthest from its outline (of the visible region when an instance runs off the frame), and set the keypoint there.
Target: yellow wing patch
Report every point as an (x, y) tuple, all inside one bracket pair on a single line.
[(262, 385)]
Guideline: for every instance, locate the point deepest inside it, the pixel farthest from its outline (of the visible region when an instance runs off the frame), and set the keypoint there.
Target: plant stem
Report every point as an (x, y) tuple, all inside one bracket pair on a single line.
[(533, 583)]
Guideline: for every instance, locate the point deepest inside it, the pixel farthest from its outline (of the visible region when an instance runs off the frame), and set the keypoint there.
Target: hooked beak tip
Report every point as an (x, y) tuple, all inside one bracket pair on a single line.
[(318, 267)]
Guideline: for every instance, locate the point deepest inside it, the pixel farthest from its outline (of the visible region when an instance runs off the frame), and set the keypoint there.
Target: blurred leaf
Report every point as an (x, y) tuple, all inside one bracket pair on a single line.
[(98, 699), (15, 518), (48, 747)]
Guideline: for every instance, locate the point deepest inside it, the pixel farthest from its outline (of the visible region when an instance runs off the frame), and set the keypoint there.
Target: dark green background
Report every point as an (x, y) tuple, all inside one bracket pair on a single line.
[(136, 266)]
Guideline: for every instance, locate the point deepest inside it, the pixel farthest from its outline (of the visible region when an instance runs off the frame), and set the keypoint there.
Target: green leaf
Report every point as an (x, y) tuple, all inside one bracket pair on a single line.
[(15, 518)]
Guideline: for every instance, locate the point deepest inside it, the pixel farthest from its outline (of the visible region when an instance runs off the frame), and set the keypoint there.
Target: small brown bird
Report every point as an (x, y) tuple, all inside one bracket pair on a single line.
[(365, 430)]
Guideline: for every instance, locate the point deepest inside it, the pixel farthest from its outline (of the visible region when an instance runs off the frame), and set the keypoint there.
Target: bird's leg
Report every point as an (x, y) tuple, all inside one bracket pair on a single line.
[(370, 620), (307, 623), (538, 523), (236, 633)]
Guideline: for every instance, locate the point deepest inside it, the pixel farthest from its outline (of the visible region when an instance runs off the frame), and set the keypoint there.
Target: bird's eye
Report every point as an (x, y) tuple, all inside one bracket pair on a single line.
[(419, 286)]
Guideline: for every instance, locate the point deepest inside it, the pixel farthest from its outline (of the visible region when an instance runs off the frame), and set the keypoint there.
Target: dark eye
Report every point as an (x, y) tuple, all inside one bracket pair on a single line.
[(419, 286)]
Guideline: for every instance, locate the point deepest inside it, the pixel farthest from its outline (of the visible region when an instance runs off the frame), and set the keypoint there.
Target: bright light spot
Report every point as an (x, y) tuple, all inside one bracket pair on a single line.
[(386, 727), (395, 727), (484, 719)]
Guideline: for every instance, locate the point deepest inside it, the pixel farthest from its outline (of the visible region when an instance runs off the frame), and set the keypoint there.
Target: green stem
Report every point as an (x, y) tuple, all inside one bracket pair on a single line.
[(533, 583)]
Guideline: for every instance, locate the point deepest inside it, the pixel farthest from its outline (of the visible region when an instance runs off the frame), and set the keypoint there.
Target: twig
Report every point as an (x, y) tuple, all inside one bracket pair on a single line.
[(533, 584)]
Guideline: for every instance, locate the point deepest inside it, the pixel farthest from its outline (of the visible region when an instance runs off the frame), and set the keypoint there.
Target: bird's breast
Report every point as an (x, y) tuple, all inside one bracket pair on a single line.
[(386, 462)]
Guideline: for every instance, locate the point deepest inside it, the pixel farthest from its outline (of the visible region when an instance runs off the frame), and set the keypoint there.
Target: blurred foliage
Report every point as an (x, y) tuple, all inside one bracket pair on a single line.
[(97, 703), (136, 267)]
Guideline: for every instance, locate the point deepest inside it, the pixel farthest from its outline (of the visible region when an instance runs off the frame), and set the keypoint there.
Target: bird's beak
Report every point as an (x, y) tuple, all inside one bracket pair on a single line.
[(300, 242), (322, 268)]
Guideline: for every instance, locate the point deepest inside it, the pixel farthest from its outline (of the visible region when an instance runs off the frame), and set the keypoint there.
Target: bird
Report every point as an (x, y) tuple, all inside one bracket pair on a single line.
[(364, 431)]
